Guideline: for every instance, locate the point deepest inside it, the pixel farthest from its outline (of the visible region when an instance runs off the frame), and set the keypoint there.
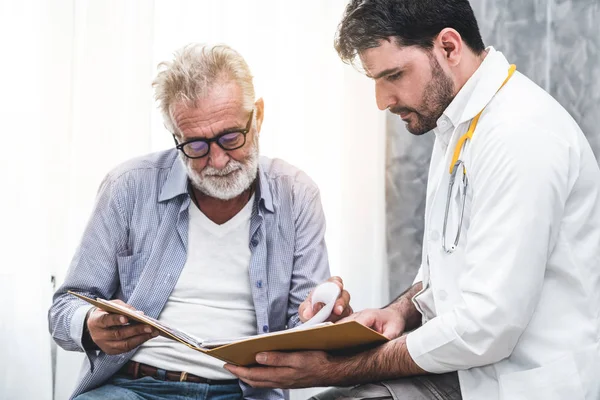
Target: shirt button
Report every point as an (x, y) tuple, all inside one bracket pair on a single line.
[(266, 328), (254, 242), (259, 284), (443, 295), (443, 123), (434, 235)]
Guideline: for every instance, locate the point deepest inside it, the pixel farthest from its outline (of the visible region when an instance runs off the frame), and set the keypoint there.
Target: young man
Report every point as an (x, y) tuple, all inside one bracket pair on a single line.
[(508, 293)]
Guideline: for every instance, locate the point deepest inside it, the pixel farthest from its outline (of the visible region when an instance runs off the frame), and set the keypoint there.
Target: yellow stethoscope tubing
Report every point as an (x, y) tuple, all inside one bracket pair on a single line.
[(455, 164)]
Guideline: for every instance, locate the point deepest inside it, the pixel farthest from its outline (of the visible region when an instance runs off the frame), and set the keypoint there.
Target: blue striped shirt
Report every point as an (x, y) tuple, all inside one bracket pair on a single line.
[(135, 246)]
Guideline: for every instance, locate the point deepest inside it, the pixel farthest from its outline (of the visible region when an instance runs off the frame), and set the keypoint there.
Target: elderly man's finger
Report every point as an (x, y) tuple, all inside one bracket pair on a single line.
[(126, 332), (122, 303), (347, 312), (108, 320), (133, 342), (307, 311), (317, 307), (342, 303), (305, 314), (337, 280), (304, 311)]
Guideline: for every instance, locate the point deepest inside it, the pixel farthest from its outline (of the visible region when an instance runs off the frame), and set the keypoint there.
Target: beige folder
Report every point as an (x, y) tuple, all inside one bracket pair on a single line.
[(349, 335)]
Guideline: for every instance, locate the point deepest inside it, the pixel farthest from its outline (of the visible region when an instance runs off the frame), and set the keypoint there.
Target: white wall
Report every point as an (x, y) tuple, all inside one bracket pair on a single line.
[(77, 100)]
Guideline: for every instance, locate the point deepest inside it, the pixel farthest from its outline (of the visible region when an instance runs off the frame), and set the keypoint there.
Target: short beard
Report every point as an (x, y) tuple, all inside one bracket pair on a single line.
[(213, 182), (437, 96)]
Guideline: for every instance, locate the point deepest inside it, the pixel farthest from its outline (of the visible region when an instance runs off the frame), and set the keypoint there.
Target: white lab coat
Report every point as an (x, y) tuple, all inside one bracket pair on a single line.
[(516, 308)]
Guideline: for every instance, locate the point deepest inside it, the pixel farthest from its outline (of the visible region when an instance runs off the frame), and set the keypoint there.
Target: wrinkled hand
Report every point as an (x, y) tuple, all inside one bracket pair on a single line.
[(385, 321), (340, 310), (288, 370), (113, 335)]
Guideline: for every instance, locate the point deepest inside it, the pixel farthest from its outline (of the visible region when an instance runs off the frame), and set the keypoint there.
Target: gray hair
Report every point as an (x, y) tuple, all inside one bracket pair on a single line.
[(195, 69)]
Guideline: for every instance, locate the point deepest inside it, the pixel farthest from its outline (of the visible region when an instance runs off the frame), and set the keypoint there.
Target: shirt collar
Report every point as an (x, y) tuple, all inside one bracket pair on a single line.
[(176, 185), (264, 190), (444, 130)]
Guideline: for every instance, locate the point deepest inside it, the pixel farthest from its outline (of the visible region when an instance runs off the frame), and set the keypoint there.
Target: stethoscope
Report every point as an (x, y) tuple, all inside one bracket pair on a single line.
[(455, 165)]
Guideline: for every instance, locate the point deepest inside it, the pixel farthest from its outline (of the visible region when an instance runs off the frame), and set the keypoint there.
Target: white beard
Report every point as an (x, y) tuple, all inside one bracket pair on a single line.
[(228, 182)]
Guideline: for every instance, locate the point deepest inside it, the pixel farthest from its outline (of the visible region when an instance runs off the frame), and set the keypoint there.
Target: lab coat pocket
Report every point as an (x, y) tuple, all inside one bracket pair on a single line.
[(556, 381), (130, 268)]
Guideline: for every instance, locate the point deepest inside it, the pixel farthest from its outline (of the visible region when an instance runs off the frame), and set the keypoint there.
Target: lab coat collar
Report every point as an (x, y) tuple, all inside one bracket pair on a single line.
[(479, 90)]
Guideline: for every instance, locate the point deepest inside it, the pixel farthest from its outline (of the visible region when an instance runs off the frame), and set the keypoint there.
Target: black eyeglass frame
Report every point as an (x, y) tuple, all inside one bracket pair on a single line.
[(244, 132)]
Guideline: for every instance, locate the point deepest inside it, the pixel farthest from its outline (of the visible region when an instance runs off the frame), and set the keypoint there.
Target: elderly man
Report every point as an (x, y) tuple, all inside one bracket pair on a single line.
[(506, 305), (207, 236)]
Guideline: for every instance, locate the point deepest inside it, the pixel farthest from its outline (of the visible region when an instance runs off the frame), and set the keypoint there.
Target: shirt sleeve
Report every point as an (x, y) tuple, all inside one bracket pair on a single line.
[(93, 270), (311, 265), (520, 178)]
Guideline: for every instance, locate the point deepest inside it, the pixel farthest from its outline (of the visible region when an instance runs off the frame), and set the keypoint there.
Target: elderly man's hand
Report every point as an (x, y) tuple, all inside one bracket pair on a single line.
[(112, 332), (340, 310)]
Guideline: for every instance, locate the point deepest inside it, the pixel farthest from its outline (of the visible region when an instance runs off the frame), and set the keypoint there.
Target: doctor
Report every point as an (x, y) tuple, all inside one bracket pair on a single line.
[(506, 304)]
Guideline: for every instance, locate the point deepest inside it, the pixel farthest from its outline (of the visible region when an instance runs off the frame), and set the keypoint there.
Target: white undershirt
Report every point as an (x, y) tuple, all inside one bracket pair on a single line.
[(212, 298)]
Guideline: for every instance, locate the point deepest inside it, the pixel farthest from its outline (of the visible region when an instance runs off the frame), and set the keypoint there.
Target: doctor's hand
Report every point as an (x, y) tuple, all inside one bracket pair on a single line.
[(286, 370), (385, 321), (113, 334), (340, 310)]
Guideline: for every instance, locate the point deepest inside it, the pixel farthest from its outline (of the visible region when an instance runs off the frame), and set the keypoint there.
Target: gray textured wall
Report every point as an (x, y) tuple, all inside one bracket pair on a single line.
[(556, 43)]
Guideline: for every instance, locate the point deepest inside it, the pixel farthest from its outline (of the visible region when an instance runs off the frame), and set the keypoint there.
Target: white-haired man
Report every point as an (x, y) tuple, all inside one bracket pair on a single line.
[(208, 236)]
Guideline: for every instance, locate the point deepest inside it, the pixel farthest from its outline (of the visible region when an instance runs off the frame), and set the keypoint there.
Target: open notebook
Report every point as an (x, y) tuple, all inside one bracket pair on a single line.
[(242, 350)]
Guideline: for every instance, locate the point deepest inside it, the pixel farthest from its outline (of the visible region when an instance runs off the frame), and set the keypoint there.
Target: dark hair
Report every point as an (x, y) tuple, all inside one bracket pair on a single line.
[(410, 22)]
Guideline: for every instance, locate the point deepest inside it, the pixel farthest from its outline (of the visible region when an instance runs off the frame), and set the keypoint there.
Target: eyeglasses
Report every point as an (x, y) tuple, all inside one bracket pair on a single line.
[(232, 140)]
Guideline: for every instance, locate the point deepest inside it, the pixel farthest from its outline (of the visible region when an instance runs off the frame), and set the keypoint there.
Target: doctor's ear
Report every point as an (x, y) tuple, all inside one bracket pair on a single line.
[(450, 43)]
